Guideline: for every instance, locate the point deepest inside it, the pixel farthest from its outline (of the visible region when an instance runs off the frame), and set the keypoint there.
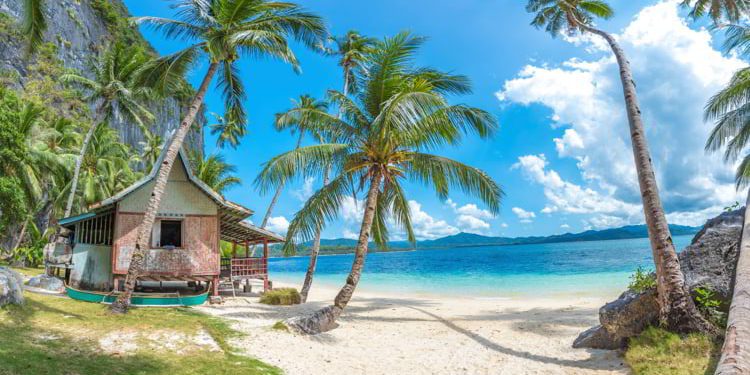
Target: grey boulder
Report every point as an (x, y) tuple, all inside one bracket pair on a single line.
[(11, 287)]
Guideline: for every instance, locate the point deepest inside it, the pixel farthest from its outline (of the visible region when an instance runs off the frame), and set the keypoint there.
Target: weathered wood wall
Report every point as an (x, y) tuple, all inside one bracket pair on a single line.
[(199, 255), (91, 267)]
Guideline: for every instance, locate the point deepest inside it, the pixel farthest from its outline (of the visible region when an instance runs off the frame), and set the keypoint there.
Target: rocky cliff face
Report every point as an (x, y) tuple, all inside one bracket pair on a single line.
[(79, 31)]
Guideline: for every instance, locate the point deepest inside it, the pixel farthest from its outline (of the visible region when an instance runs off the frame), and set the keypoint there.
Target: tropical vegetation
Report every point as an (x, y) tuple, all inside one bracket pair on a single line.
[(222, 32), (397, 113)]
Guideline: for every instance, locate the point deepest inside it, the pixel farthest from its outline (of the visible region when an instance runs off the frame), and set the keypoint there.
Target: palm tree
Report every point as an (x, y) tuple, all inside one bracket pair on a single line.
[(728, 109), (718, 10), (33, 24), (214, 171), (351, 49), (677, 309), (298, 118), (114, 91), (223, 32), (294, 119), (150, 148), (398, 112)]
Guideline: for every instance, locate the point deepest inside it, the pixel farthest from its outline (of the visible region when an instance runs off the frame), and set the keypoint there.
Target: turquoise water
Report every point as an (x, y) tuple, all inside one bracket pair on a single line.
[(596, 268)]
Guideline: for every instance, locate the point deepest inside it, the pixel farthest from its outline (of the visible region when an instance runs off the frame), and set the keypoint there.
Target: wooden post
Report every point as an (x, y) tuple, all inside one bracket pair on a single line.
[(247, 249), (234, 249), (265, 265), (215, 286)]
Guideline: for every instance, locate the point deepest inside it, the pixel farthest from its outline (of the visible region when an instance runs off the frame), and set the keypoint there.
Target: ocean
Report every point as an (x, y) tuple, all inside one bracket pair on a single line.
[(595, 268)]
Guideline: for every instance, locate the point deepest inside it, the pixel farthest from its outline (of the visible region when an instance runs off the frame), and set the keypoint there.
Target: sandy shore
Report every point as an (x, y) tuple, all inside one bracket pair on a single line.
[(396, 334)]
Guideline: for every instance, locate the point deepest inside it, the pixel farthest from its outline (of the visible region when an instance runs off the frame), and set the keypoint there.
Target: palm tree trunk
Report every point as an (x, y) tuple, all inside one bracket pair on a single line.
[(77, 170), (316, 242), (144, 231), (735, 354), (21, 234), (313, 254), (275, 198), (325, 319), (677, 309)]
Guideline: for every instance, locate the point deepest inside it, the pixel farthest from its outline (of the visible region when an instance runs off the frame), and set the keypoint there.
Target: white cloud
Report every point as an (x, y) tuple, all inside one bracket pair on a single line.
[(565, 226), (523, 215), (677, 70), (471, 218), (427, 227), (351, 210), (306, 191), (350, 234), (278, 224)]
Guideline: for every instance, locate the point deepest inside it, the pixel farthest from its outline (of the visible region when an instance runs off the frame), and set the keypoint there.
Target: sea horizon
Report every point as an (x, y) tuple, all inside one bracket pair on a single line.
[(585, 269)]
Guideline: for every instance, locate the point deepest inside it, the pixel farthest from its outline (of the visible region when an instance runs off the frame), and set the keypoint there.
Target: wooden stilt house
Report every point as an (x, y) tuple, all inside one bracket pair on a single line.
[(185, 247)]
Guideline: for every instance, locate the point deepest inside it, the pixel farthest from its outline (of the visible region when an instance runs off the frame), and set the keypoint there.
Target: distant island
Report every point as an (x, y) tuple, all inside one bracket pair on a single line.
[(345, 245)]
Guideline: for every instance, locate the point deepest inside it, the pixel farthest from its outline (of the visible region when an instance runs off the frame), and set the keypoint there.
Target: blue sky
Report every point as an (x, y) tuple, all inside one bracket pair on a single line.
[(562, 152)]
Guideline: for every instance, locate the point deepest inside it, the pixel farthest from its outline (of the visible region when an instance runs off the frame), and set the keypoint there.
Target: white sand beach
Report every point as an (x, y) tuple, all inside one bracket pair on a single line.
[(399, 334)]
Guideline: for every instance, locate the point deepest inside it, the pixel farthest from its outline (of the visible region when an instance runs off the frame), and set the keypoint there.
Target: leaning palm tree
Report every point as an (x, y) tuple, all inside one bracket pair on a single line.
[(33, 23), (677, 309), (214, 171), (351, 50), (718, 10), (729, 110), (115, 92), (398, 113), (222, 32)]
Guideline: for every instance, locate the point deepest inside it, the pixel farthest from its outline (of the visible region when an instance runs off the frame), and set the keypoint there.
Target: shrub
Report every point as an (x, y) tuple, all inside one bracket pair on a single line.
[(280, 326), (281, 296), (659, 352), (642, 280), (707, 302)]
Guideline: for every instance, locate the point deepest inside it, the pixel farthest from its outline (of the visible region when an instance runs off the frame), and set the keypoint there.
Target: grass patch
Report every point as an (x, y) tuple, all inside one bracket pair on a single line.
[(659, 352), (280, 326), (53, 335), (281, 296), (28, 271)]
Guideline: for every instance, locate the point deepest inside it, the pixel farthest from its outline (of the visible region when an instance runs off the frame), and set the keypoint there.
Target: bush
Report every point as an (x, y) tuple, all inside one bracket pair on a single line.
[(281, 296), (642, 281), (708, 304), (659, 352)]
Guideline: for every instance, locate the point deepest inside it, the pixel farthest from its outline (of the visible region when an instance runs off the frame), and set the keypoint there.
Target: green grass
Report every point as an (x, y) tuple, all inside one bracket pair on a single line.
[(281, 296), (53, 335), (659, 352)]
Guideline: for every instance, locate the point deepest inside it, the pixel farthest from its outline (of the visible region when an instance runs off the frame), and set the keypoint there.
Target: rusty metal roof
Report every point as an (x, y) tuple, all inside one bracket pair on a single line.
[(241, 232)]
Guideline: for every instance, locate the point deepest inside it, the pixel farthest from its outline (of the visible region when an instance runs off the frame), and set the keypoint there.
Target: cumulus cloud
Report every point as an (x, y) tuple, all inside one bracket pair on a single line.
[(523, 215), (677, 70), (278, 224), (306, 191), (427, 227), (471, 218)]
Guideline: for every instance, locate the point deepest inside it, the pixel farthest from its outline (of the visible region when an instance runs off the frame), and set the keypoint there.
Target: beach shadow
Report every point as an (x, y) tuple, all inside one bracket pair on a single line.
[(542, 321), (588, 363)]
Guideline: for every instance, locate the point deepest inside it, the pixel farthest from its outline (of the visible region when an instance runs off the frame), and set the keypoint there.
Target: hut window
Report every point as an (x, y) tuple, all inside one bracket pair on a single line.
[(95, 231), (171, 233)]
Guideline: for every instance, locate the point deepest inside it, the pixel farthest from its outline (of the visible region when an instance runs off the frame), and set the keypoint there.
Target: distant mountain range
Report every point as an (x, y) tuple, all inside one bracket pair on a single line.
[(344, 245)]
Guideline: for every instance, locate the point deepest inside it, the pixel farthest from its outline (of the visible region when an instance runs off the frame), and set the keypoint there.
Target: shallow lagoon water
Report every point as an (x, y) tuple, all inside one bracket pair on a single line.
[(594, 268)]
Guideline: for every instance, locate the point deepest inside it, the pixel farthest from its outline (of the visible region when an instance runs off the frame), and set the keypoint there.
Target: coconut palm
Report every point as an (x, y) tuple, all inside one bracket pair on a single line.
[(105, 169), (294, 119), (33, 23), (227, 131), (115, 92), (222, 32), (677, 310), (351, 50), (728, 109), (214, 171), (718, 10), (151, 146), (397, 114)]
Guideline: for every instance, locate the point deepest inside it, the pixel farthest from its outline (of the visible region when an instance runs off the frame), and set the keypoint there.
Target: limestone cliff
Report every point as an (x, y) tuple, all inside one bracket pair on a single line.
[(79, 29)]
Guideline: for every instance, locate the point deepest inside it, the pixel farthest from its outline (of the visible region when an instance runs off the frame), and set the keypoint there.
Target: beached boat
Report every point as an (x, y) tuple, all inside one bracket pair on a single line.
[(139, 299)]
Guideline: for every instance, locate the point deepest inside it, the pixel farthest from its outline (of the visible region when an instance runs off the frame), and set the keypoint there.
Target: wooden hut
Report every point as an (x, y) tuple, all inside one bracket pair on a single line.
[(185, 247)]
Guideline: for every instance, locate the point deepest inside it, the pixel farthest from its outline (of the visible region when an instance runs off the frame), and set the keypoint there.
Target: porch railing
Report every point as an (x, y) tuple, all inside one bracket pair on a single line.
[(244, 268)]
